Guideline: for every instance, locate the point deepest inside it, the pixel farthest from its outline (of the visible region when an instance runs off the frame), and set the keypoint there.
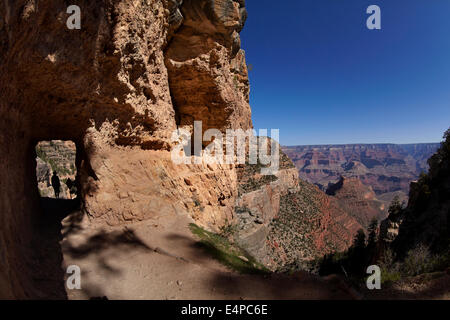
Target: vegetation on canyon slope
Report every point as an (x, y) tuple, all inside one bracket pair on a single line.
[(227, 253), (292, 233), (423, 242)]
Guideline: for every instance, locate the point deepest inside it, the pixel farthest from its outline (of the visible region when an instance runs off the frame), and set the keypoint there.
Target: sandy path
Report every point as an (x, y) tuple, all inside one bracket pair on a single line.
[(160, 260)]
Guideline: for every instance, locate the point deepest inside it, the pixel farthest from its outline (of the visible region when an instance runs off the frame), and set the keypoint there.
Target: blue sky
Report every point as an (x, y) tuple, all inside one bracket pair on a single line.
[(321, 77)]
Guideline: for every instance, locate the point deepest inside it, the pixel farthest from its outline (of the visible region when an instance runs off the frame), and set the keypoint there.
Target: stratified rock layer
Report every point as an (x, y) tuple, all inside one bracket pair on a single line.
[(387, 168), (286, 222), (358, 200)]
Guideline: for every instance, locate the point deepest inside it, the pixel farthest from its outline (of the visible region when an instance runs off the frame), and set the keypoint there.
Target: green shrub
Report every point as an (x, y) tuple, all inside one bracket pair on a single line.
[(417, 261), (227, 230), (229, 255)]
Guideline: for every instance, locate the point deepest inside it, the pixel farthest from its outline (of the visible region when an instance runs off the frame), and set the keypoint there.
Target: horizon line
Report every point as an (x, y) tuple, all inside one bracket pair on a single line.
[(355, 144)]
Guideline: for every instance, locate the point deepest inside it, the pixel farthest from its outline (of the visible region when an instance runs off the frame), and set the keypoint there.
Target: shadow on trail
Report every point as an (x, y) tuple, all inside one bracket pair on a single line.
[(47, 256), (247, 283), (60, 221), (425, 287)]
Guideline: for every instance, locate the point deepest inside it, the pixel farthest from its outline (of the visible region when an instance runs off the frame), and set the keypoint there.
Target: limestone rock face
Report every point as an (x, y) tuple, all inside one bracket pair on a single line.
[(387, 168), (207, 71), (257, 209), (426, 219), (118, 88), (359, 200), (43, 172), (286, 222), (389, 230)]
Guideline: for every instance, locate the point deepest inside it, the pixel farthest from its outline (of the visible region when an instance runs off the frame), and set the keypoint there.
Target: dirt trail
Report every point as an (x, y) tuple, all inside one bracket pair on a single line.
[(160, 260)]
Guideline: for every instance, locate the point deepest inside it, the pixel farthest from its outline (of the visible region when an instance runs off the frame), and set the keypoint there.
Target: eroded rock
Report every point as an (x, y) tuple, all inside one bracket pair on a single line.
[(118, 88)]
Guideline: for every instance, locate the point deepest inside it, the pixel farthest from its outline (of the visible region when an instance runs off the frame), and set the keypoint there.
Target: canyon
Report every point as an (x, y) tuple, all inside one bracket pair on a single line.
[(388, 169), (117, 89)]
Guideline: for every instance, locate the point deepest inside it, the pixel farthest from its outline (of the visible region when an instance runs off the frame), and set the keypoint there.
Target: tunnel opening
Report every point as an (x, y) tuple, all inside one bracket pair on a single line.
[(56, 171), (57, 181), (58, 188)]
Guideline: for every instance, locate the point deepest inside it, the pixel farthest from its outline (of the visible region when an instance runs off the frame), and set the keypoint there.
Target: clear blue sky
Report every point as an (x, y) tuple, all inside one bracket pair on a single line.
[(321, 77)]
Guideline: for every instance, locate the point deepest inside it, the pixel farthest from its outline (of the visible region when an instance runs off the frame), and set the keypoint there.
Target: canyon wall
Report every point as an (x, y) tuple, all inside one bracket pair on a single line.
[(363, 178), (286, 222), (359, 200), (425, 221), (387, 168), (118, 88)]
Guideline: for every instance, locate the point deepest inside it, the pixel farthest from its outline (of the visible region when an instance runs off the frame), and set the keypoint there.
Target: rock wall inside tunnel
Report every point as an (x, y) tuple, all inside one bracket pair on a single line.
[(118, 88)]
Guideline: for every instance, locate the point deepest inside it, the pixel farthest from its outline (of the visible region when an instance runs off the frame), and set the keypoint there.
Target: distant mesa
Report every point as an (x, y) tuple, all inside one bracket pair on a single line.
[(387, 168), (358, 200)]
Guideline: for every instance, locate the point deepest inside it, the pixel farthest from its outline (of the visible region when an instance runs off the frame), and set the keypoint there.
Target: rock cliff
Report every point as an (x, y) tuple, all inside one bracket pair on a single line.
[(118, 87), (286, 222), (426, 219), (387, 168), (359, 200)]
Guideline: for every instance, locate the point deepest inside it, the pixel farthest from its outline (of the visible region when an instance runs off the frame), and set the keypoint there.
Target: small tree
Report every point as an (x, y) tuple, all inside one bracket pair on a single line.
[(373, 233), (395, 209), (357, 254), (439, 161), (359, 241)]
